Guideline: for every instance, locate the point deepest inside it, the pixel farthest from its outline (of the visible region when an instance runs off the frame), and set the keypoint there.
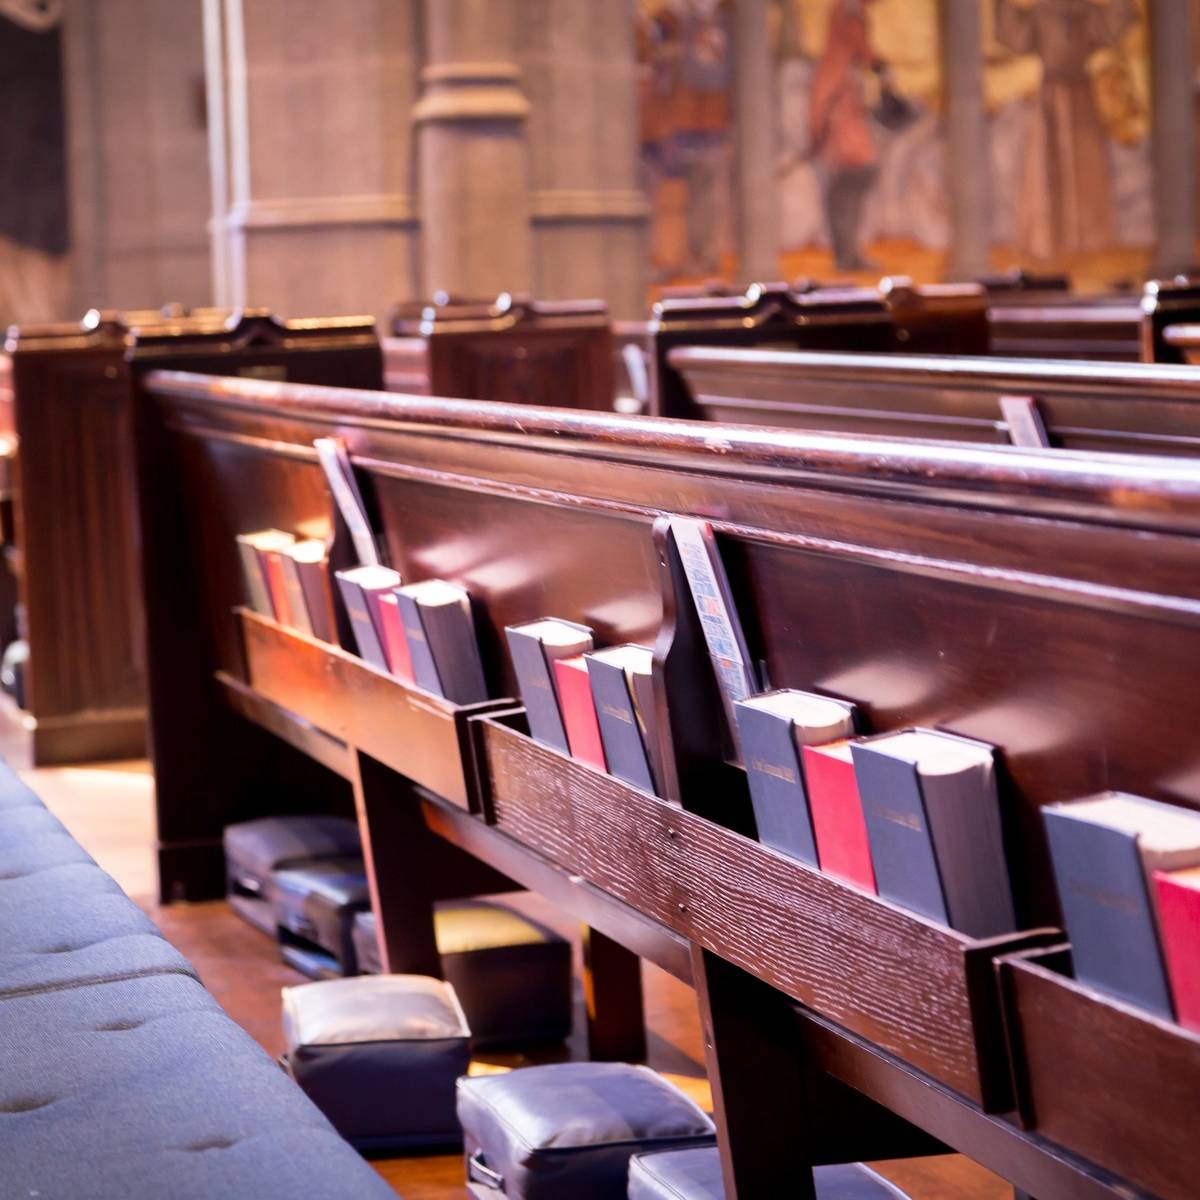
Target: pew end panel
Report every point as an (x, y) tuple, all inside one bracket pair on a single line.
[(1102, 1078)]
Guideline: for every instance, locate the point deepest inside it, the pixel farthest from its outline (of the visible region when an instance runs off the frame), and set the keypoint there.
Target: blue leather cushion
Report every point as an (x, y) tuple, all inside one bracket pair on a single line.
[(695, 1174), (262, 846), (569, 1129), (145, 1088), (33, 839), (70, 925)]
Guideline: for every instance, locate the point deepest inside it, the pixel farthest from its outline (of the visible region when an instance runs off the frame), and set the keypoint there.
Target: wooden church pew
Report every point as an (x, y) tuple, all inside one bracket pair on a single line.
[(512, 349), (75, 529), (1138, 408), (1045, 602)]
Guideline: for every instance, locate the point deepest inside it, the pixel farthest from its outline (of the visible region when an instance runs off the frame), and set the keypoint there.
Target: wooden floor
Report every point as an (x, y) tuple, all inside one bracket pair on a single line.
[(109, 808)]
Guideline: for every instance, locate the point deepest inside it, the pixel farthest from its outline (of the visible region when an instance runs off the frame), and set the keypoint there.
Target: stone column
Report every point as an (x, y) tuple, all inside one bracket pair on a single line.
[(1173, 137), (318, 217), (755, 101), (472, 158), (133, 77), (968, 166), (589, 214)]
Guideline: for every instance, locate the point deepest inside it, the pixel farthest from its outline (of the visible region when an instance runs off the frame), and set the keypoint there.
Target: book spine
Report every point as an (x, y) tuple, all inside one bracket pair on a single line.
[(537, 690), (1105, 899), (314, 580), (339, 473), (1179, 918), (579, 712), (256, 583), (277, 586), (297, 605), (395, 644), (644, 709), (906, 869), (450, 632), (623, 747), (424, 668), (776, 783), (365, 634), (839, 827)]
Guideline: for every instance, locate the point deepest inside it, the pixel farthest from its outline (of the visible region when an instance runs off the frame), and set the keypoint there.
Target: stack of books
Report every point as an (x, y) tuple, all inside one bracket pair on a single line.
[(1128, 876), (596, 705), (421, 633), (287, 579), (912, 816)]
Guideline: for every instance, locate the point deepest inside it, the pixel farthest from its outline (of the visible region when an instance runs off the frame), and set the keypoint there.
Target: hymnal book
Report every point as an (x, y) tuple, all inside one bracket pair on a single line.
[(535, 646), (839, 827), (267, 545), (392, 639), (1178, 894), (312, 568), (296, 600), (933, 823), (441, 639), (717, 613), (254, 571), (339, 472), (773, 727), (622, 690), (579, 711), (361, 588), (1105, 850)]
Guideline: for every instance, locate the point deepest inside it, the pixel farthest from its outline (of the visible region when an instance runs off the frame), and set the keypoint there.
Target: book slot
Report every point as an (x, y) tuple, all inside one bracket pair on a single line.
[(1105, 1080)]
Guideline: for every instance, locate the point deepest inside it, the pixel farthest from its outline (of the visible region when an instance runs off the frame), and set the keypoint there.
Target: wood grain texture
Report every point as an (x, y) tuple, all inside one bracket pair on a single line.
[(881, 972), (1142, 1089)]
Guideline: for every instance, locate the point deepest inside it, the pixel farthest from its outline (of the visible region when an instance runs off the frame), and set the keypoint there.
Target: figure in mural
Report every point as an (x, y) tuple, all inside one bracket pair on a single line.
[(840, 127), (1067, 195)]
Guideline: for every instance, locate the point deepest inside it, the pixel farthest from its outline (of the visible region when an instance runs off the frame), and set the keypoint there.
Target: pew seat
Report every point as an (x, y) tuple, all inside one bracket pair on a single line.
[(120, 1076)]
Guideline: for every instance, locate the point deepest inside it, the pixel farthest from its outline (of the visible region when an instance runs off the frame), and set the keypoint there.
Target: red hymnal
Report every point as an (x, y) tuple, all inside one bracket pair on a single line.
[(839, 828), (395, 643), (579, 711), (272, 561), (1178, 894)]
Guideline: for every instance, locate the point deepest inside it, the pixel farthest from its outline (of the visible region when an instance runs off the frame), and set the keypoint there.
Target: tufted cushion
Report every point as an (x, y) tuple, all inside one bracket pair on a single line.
[(379, 1055), (512, 975), (13, 792), (695, 1174), (71, 925), (145, 1088), (33, 839), (569, 1129)]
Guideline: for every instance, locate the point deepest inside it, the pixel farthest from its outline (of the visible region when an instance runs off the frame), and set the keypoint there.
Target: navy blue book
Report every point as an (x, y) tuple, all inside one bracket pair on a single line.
[(933, 823), (534, 647), (358, 586), (1104, 850), (441, 640), (772, 728), (620, 678)]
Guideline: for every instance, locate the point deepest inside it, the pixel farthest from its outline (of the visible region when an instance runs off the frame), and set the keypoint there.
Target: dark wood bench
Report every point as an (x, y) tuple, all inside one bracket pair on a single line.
[(1138, 408), (1045, 602), (75, 531), (512, 349)]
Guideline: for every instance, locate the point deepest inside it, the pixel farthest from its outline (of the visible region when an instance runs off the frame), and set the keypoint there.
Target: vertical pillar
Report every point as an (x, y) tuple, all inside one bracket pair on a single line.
[(471, 151), (755, 101), (589, 214), (968, 165), (316, 213), (1173, 137)]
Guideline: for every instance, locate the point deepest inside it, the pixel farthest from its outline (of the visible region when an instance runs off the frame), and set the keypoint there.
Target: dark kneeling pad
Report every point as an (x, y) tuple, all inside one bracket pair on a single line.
[(512, 974), (379, 1056), (315, 905), (569, 1129), (695, 1174), (253, 849)]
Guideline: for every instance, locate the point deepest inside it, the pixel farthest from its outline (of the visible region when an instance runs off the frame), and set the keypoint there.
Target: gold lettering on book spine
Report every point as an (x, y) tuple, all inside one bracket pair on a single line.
[(766, 768)]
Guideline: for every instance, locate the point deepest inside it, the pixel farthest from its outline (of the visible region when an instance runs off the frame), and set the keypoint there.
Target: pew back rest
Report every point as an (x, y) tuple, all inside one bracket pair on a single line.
[(1048, 603)]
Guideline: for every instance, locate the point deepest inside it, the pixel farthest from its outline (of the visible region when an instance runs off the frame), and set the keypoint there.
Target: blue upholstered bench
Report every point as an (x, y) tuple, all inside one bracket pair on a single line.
[(120, 1076)]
